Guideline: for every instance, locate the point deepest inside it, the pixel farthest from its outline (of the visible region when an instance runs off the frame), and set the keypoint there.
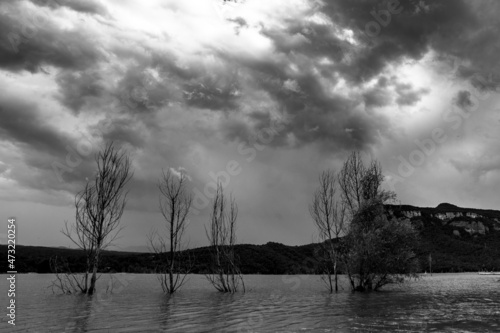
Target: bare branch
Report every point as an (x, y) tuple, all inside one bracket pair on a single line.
[(99, 208), (175, 203), (225, 275), (329, 217)]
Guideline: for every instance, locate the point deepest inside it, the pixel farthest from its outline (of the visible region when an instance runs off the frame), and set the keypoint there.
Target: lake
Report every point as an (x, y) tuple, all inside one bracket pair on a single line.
[(438, 303)]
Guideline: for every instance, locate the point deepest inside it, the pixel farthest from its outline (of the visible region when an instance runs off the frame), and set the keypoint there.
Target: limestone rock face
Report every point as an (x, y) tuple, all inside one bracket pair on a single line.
[(411, 213), (448, 216), (475, 222)]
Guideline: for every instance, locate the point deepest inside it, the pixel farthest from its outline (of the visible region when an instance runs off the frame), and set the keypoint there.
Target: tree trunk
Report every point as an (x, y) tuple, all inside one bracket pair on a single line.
[(336, 277), (93, 280), (86, 282), (172, 253), (171, 287)]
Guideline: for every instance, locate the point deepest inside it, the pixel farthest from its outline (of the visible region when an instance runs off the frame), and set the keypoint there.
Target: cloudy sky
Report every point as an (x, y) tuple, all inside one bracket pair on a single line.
[(272, 91)]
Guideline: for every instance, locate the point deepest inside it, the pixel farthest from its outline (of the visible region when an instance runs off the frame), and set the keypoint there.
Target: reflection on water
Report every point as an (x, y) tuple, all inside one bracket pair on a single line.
[(441, 303)]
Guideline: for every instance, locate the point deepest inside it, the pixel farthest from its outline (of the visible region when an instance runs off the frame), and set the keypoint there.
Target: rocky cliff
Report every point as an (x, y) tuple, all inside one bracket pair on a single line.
[(459, 239), (465, 220)]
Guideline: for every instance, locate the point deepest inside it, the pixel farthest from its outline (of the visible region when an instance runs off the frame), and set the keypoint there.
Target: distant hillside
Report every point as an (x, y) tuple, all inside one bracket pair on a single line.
[(458, 239), (271, 258)]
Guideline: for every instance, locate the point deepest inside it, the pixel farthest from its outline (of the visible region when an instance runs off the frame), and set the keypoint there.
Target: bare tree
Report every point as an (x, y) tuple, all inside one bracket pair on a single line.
[(377, 248), (350, 178), (225, 275), (175, 203), (66, 282), (329, 216), (99, 208)]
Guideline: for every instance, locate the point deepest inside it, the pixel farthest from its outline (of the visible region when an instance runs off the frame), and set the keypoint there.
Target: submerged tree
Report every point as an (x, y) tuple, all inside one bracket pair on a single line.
[(175, 203), (225, 274), (329, 216), (349, 179), (99, 208), (378, 249)]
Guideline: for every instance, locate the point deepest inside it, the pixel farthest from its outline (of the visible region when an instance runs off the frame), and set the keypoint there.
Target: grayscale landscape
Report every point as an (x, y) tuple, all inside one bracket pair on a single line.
[(250, 166)]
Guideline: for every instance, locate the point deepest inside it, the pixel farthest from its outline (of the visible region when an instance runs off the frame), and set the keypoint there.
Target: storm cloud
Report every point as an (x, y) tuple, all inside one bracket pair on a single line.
[(287, 90)]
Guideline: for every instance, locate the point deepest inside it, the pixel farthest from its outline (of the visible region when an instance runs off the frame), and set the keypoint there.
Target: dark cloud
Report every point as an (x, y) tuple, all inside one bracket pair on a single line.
[(407, 96), (376, 98), (308, 38), (45, 172), (140, 91), (383, 82), (177, 103), (313, 112), (318, 115), (365, 130), (407, 35), (237, 130), (123, 130), (40, 145), (171, 66), (214, 91), (76, 88), (486, 82), (475, 41), (381, 94), (463, 99), (28, 44), (22, 124), (82, 6), (240, 24)]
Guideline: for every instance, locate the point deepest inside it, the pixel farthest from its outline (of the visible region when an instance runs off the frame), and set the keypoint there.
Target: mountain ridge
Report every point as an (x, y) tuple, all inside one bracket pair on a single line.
[(456, 239)]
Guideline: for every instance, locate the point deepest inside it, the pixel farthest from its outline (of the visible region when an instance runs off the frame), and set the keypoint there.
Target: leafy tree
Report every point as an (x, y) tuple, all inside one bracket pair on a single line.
[(378, 248)]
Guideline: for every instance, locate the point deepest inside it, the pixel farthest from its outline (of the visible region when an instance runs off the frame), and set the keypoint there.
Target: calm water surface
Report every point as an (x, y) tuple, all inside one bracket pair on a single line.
[(441, 303)]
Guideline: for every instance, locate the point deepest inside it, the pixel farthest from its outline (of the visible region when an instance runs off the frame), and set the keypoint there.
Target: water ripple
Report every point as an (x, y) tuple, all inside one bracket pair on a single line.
[(441, 303)]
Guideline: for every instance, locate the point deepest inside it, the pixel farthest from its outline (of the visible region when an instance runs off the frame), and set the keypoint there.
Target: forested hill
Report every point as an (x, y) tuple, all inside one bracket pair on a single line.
[(271, 258), (457, 239)]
